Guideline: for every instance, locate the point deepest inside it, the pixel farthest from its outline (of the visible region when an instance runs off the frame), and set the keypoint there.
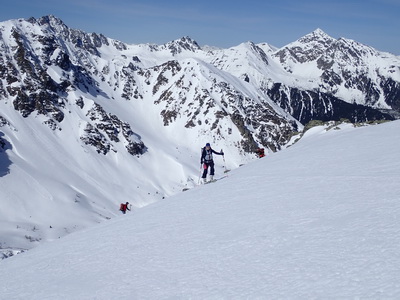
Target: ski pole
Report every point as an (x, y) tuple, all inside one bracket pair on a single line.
[(223, 157), (198, 183), (201, 164)]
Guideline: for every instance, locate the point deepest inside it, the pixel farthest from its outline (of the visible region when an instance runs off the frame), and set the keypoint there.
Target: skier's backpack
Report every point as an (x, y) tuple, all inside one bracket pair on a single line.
[(122, 207), (260, 152)]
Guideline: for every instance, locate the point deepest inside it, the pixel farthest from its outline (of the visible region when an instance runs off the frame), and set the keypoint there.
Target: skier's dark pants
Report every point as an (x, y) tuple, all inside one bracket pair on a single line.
[(211, 165)]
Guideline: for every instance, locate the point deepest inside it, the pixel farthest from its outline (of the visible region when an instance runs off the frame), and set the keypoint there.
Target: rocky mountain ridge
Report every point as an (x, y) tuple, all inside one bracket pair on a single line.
[(31, 48), (35, 57)]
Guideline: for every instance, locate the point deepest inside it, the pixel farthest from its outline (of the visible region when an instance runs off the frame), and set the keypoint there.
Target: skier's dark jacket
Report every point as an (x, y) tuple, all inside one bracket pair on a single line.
[(206, 155)]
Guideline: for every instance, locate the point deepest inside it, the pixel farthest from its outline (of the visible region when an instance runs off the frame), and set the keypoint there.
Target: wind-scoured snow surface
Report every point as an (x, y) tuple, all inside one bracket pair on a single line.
[(317, 220)]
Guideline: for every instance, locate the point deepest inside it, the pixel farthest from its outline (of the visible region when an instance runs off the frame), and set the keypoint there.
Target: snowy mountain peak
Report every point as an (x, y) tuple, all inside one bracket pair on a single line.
[(182, 44), (267, 48), (317, 34), (49, 19), (307, 48)]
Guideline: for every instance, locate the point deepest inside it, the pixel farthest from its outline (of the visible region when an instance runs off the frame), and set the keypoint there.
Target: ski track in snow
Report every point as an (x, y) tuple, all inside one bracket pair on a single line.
[(317, 220)]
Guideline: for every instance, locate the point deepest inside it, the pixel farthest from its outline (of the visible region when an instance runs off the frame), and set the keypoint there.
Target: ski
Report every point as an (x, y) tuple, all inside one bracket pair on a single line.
[(217, 179), (208, 182)]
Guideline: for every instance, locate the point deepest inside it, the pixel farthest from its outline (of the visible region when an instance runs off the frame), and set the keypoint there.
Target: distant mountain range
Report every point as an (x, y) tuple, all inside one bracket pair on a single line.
[(265, 93), (77, 105)]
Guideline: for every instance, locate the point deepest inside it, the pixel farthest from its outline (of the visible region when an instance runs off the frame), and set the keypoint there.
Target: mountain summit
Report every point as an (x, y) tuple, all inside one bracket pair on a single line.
[(184, 43)]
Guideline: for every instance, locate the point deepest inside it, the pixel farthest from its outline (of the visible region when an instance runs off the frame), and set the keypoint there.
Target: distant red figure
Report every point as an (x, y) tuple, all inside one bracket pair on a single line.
[(124, 207), (260, 152)]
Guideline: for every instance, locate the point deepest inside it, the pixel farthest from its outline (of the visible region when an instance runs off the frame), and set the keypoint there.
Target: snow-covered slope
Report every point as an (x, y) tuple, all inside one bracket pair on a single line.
[(87, 122), (317, 220)]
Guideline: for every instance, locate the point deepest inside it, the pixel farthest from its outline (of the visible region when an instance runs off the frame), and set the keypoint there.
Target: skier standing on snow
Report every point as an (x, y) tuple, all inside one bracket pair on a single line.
[(207, 161)]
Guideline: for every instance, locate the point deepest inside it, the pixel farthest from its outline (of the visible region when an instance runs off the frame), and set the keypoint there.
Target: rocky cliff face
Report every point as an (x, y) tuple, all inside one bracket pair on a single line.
[(43, 63)]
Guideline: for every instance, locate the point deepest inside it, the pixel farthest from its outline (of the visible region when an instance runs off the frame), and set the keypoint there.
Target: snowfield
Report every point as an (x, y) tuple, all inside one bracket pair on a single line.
[(317, 220)]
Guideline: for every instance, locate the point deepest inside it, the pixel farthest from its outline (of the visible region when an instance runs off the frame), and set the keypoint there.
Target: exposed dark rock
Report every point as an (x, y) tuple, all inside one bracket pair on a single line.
[(308, 105), (96, 139), (114, 130), (391, 91), (248, 143), (80, 102)]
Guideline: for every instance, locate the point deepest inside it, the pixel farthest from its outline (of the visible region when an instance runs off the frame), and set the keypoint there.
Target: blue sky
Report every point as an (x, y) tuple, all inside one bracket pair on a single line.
[(223, 23)]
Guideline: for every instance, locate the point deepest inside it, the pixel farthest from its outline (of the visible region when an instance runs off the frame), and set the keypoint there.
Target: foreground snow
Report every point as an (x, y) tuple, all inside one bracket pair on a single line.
[(318, 220)]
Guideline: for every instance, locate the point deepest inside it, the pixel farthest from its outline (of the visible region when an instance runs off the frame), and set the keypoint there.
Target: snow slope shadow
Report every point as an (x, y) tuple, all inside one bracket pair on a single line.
[(5, 162)]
